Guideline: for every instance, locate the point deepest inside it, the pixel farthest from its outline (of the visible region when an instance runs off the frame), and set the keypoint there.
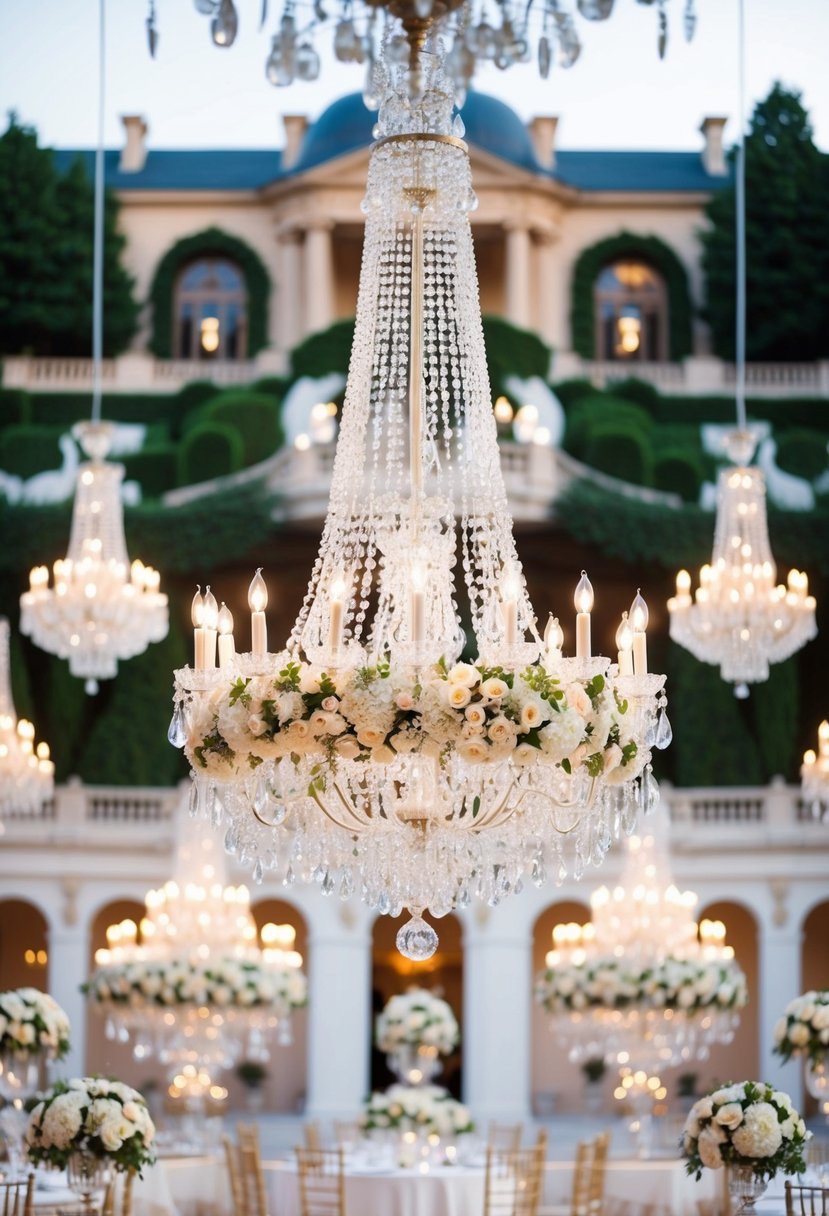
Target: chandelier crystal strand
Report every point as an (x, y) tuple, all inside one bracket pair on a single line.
[(814, 774), (99, 609), (739, 618), (366, 756), (26, 773)]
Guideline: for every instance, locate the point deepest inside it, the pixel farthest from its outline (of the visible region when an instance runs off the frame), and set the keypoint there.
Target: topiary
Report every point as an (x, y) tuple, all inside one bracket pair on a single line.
[(802, 453), (601, 409), (512, 351), (15, 405), (679, 471), (155, 468), (210, 450), (256, 418), (571, 391), (27, 450), (195, 393), (328, 350), (621, 450), (638, 391), (272, 386)]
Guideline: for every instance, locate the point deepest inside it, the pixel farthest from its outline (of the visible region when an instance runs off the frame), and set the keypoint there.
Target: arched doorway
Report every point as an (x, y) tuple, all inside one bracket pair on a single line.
[(557, 1083), (814, 964), (733, 1061), (285, 1086), (24, 958), (442, 974)]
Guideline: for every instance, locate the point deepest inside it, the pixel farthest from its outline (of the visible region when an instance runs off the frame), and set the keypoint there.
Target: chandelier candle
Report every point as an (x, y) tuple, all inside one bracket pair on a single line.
[(624, 642), (211, 624), (258, 602), (227, 647), (639, 621), (583, 600), (197, 617)]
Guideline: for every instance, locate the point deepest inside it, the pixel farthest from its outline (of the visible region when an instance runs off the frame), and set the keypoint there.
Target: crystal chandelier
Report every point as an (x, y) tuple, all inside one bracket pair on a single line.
[(739, 618), (642, 983), (814, 773), (99, 608), (26, 772), (366, 755), (191, 984), (546, 31)]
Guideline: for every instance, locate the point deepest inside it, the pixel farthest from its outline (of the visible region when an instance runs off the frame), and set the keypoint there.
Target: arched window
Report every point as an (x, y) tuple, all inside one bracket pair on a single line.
[(210, 311), (631, 303)]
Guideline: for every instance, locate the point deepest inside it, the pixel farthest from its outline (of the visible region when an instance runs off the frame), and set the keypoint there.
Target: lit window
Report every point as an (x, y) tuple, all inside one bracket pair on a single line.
[(210, 311), (631, 308)]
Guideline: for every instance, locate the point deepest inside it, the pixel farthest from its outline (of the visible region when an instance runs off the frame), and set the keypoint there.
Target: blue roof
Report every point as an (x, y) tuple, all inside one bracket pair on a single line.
[(346, 126)]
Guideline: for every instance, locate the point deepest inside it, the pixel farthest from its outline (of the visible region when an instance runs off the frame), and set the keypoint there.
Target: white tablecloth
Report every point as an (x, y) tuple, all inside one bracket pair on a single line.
[(174, 1186)]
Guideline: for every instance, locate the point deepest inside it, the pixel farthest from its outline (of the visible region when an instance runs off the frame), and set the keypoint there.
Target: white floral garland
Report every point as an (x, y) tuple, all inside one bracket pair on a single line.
[(374, 713), (425, 1108), (226, 983), (750, 1123), (691, 985), (417, 1018), (803, 1029), (103, 1116), (32, 1021)]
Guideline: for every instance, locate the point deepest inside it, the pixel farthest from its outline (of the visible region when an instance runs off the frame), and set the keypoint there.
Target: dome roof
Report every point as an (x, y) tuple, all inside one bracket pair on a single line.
[(346, 125)]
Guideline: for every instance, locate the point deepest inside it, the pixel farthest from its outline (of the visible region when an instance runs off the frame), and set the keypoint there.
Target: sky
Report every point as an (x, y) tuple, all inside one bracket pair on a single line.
[(618, 95)]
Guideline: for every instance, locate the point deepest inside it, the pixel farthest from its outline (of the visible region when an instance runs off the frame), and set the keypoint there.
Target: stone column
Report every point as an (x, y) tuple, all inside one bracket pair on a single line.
[(497, 1007), (289, 295), (319, 276), (780, 979), (68, 968), (549, 320), (339, 1011), (517, 290)]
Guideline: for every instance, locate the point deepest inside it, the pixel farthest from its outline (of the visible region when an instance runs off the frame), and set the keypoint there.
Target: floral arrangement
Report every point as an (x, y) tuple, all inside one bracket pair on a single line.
[(417, 1018), (803, 1029), (749, 1123), (225, 983), (479, 713), (426, 1108), (689, 984), (93, 1114), (32, 1022)]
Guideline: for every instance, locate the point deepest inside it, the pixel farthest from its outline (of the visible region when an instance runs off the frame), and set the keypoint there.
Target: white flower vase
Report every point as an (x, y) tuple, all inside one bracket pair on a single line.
[(19, 1080), (744, 1189), (817, 1083), (415, 1064)]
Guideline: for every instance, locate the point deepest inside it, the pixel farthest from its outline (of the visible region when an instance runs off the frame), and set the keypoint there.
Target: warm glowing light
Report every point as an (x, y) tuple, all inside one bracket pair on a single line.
[(257, 593)]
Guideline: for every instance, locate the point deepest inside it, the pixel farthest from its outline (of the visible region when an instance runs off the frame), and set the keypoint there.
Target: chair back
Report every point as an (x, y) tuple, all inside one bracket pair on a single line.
[(118, 1195), (312, 1135), (587, 1197), (806, 1200), (244, 1167), (321, 1181), (514, 1179), (505, 1137), (17, 1196)]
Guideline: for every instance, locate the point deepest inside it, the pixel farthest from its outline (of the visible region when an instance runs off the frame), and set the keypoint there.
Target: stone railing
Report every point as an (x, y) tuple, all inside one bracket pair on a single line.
[(702, 376)]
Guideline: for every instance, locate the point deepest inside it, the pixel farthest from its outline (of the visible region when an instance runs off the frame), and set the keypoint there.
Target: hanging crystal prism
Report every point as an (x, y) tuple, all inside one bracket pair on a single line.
[(26, 772)]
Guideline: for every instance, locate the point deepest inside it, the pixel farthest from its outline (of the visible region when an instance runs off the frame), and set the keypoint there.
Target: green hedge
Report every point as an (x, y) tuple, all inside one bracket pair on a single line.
[(212, 449), (62, 409), (27, 450), (802, 453), (622, 451), (638, 391), (194, 394), (571, 391), (154, 468), (15, 407), (679, 471), (272, 386), (326, 351), (601, 410), (512, 351), (255, 416)]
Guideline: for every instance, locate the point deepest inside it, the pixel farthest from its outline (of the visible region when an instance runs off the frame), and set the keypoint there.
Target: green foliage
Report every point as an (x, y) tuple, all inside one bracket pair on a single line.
[(212, 242), (155, 468), (802, 453), (512, 351), (26, 450), (638, 391), (571, 391), (46, 234), (713, 744), (273, 386), (212, 449), (191, 396), (601, 410), (775, 705), (14, 407), (679, 471), (255, 416), (63, 409), (655, 253), (326, 351), (787, 240), (621, 451)]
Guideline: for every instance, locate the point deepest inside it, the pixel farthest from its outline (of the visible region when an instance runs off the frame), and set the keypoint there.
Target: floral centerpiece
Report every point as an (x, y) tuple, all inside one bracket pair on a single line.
[(417, 1018), (686, 984), (95, 1116), (749, 1126), (803, 1030), (428, 1109), (226, 983), (31, 1023)]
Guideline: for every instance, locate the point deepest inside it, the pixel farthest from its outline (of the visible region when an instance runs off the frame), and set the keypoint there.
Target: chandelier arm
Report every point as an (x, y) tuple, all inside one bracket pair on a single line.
[(353, 829)]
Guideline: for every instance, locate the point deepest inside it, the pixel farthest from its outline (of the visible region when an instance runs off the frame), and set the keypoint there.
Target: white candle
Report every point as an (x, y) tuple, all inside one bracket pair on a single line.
[(197, 617), (683, 586), (227, 647), (553, 639), (583, 601), (211, 621), (639, 621), (624, 642), (417, 604), (337, 614), (509, 608), (258, 602)]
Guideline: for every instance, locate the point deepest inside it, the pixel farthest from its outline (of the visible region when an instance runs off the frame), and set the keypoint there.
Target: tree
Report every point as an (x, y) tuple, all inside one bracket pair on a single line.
[(787, 240), (46, 238)]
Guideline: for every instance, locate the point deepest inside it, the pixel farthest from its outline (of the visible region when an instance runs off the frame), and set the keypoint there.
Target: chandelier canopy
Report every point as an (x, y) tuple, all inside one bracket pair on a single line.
[(26, 773), (99, 608), (369, 755)]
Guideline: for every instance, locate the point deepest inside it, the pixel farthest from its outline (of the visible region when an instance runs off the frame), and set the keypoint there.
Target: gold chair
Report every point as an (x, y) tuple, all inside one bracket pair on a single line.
[(514, 1179), (313, 1135), (806, 1200), (587, 1194), (17, 1197), (244, 1168), (505, 1137), (321, 1181), (118, 1195)]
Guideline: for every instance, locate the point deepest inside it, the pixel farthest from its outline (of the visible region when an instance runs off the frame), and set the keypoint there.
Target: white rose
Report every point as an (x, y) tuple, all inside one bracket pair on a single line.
[(404, 701), (525, 753), (703, 1108), (820, 1018), (709, 1150), (382, 755), (532, 715), (760, 1134), (494, 688), (458, 695), (799, 1034), (730, 1115), (370, 736), (472, 751), (475, 714), (463, 674), (578, 699), (347, 748), (309, 679)]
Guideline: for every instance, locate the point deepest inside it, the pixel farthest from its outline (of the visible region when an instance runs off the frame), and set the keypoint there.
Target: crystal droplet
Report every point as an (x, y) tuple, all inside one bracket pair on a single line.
[(177, 730), (458, 127), (346, 884), (545, 58), (519, 886), (208, 799), (664, 733), (216, 811), (328, 883), (651, 732), (231, 841), (690, 21), (662, 42), (194, 800), (741, 691), (289, 879), (648, 791), (417, 940), (258, 872), (91, 688)]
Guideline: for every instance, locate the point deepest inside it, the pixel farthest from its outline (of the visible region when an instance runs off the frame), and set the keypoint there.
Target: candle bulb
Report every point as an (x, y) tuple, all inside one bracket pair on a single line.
[(211, 623), (337, 614), (553, 639), (583, 601), (417, 606), (509, 608), (227, 647), (639, 621), (258, 602), (683, 585), (197, 617), (624, 643), (823, 738)]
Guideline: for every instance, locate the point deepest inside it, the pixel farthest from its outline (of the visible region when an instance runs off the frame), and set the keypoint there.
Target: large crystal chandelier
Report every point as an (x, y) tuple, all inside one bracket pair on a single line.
[(99, 608), (643, 983), (546, 31), (814, 774), (739, 618), (26, 772), (366, 755)]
